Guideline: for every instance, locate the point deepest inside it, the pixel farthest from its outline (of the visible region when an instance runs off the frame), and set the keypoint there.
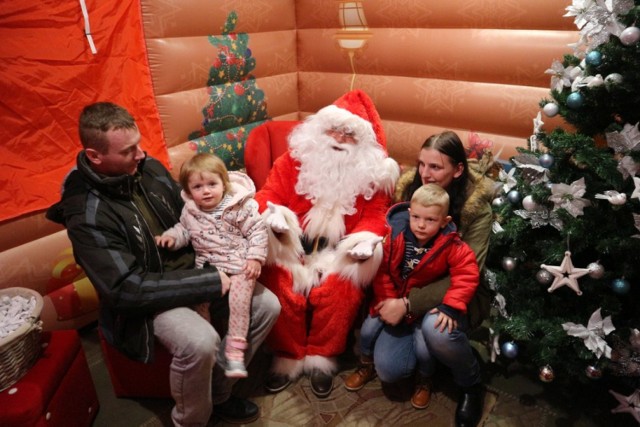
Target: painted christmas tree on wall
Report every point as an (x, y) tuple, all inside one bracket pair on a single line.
[(236, 105), (565, 253)]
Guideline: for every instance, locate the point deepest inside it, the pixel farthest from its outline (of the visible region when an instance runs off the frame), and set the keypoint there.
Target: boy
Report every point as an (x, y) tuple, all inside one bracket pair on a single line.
[(421, 246)]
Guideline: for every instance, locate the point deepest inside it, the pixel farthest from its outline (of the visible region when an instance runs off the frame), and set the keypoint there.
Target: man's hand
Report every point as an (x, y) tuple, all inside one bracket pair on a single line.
[(225, 281), (276, 219), (252, 269), (165, 241), (443, 321), (391, 310), (364, 249)]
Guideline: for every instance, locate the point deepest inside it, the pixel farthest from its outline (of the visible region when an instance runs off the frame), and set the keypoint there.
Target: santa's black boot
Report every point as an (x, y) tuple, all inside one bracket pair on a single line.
[(470, 404)]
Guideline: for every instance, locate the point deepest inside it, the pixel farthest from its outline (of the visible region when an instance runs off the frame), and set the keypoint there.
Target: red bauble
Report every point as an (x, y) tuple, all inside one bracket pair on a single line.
[(238, 89)]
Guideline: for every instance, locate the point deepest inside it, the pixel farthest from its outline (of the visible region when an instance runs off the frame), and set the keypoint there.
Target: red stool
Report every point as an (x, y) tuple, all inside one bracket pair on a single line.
[(57, 391), (131, 378)]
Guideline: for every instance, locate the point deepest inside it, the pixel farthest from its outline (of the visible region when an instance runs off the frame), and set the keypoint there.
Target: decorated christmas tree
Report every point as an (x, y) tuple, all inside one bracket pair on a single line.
[(236, 105), (565, 253)]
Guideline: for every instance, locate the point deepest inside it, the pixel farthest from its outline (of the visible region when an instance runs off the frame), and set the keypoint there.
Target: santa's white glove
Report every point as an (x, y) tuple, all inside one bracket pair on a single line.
[(364, 249), (276, 219)]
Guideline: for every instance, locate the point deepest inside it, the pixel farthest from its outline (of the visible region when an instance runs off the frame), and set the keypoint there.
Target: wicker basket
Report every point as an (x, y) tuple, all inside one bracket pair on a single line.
[(20, 349)]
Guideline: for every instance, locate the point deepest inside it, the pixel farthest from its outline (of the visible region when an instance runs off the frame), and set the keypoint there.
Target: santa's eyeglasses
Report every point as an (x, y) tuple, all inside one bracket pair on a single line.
[(343, 134)]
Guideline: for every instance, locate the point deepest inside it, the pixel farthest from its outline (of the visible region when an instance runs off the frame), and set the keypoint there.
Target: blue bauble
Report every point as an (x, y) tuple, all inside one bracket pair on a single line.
[(546, 160), (621, 286), (575, 100), (514, 197), (510, 349), (593, 58)]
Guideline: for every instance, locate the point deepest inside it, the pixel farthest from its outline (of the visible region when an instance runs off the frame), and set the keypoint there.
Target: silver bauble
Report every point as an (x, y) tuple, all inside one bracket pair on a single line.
[(613, 79), (596, 270), (514, 197), (509, 349), (630, 36), (529, 204), (550, 109), (544, 277), (509, 263), (546, 160), (497, 202)]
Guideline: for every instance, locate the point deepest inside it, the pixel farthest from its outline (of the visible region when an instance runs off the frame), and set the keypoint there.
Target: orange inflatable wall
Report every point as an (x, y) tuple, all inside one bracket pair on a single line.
[(470, 66)]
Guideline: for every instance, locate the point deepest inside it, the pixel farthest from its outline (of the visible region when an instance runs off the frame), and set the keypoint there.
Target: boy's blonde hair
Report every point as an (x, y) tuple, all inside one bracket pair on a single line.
[(431, 195), (204, 162)]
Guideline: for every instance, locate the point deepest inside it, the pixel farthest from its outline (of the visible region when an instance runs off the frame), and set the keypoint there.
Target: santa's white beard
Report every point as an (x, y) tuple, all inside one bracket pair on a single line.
[(332, 179)]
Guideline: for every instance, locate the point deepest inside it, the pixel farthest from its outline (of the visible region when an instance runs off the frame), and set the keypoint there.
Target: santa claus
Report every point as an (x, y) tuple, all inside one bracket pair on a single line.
[(324, 203)]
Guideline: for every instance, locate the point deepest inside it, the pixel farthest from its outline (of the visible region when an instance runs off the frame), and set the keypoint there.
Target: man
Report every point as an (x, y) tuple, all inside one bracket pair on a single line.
[(113, 204), (324, 204)]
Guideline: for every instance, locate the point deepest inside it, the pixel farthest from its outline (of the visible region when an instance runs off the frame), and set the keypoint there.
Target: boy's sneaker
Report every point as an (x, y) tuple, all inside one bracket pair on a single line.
[(236, 369)]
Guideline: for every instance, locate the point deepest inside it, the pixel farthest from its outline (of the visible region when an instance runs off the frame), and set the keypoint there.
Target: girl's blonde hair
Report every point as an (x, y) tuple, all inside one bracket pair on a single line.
[(204, 162), (431, 195)]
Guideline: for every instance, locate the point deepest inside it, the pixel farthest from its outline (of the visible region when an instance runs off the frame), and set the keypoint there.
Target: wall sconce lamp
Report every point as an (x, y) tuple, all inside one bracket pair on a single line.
[(354, 33)]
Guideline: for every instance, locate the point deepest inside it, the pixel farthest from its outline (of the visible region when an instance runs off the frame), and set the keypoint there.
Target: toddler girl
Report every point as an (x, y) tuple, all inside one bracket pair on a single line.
[(221, 220)]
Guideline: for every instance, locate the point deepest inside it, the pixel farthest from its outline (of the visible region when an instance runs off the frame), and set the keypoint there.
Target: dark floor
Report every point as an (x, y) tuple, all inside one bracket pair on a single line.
[(513, 400)]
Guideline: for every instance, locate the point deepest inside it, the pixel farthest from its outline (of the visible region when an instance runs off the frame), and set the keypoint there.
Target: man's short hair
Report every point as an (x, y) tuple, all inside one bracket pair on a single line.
[(99, 118), (431, 195)]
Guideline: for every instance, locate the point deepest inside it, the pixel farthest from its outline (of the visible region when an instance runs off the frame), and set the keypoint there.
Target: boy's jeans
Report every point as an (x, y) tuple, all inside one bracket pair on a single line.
[(398, 350)]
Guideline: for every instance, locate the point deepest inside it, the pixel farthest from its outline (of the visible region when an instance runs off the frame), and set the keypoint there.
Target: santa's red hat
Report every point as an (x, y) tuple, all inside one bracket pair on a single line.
[(357, 110)]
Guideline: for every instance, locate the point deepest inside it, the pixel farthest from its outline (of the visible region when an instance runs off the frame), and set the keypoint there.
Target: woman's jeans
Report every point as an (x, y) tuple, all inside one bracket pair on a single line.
[(398, 350)]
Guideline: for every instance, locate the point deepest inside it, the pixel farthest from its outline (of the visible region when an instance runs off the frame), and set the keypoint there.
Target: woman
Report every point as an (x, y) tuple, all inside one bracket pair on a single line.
[(442, 160)]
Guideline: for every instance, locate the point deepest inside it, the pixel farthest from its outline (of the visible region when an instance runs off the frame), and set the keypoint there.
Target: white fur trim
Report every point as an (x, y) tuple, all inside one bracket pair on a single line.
[(360, 272), (389, 174), (316, 267), (332, 115), (285, 249), (326, 222), (290, 367), (328, 365), (304, 279)]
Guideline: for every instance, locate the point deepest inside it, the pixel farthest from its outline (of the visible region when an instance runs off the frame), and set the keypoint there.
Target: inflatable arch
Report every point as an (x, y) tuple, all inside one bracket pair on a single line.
[(198, 75)]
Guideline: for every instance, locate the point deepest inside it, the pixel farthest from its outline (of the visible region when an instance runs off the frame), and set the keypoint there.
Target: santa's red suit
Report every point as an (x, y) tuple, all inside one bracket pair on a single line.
[(325, 202)]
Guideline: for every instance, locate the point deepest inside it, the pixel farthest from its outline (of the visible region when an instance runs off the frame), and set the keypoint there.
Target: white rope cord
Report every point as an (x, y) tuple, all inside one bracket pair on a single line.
[(87, 27)]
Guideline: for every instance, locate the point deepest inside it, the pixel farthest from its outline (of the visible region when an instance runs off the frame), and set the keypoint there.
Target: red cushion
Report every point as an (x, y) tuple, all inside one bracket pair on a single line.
[(131, 378), (57, 391), (264, 145)]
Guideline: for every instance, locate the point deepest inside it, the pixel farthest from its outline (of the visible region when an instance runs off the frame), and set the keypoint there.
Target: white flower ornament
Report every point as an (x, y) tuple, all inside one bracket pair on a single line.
[(569, 197), (507, 179), (593, 334)]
